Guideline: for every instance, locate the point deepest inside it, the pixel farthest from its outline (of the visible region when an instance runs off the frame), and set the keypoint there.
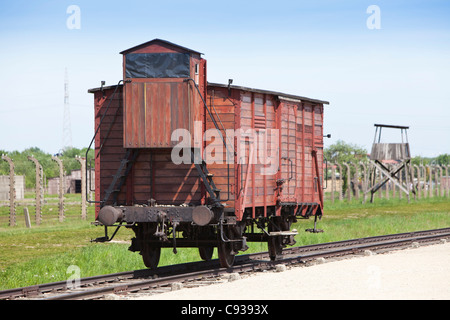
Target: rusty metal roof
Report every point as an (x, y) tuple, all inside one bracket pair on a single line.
[(160, 41), (93, 90), (279, 94)]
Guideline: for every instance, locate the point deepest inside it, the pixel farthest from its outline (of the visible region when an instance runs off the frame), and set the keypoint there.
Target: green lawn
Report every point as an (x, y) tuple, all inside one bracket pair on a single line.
[(44, 253)]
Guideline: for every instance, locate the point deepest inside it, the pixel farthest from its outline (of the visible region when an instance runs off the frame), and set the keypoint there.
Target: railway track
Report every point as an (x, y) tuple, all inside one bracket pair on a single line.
[(204, 273)]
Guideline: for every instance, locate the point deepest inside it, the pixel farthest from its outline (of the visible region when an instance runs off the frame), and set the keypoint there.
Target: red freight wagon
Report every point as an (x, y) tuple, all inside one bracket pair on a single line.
[(187, 163)]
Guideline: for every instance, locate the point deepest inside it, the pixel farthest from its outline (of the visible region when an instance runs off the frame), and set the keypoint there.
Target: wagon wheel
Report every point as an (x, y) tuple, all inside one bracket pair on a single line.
[(151, 254), (225, 249), (206, 252), (226, 257), (275, 243)]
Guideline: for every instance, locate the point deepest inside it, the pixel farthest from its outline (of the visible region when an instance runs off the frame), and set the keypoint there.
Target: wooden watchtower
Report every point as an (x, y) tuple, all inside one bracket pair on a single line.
[(399, 152)]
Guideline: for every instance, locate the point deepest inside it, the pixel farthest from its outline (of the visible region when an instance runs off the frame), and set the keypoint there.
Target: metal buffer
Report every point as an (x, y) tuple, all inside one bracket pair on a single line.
[(383, 152)]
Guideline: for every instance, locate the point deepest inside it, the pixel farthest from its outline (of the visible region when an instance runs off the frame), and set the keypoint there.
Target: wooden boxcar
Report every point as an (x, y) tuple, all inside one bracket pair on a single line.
[(187, 163)]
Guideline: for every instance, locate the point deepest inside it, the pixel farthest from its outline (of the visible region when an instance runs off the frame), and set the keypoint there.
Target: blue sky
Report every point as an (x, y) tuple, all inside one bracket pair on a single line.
[(398, 74)]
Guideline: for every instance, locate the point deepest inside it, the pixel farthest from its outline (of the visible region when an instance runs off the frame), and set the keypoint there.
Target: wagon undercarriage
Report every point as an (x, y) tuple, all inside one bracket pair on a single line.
[(179, 227)]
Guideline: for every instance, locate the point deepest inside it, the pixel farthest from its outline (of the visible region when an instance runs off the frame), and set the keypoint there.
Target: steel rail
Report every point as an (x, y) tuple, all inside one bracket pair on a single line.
[(164, 276)]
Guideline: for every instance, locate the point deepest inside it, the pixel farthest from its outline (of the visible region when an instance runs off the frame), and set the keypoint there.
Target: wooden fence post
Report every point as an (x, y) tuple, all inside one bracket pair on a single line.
[(12, 192)]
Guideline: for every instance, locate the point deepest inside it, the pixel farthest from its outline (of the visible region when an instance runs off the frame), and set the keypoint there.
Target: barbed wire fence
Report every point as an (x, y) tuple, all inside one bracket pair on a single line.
[(350, 181), (40, 202), (347, 182)]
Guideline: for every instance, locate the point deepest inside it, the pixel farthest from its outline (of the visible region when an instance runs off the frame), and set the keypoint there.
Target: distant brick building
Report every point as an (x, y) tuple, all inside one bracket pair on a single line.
[(19, 186), (445, 182), (72, 183)]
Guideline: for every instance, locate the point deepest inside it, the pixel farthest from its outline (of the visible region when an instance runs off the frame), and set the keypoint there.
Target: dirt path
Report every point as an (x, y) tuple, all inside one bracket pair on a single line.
[(419, 273)]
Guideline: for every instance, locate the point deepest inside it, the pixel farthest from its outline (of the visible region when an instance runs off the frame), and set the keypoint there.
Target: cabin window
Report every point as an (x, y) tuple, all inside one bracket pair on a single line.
[(157, 65)]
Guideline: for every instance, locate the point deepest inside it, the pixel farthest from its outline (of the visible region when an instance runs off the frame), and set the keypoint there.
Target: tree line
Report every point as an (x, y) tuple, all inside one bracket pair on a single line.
[(24, 167), (339, 152)]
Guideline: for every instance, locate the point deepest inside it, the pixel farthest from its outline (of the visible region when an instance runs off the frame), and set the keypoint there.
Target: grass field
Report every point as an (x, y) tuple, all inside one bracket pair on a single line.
[(43, 253)]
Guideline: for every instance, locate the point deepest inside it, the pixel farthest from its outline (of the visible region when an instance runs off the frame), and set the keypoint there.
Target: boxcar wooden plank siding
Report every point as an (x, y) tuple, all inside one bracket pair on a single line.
[(156, 106), (149, 113), (222, 109), (261, 157), (108, 141)]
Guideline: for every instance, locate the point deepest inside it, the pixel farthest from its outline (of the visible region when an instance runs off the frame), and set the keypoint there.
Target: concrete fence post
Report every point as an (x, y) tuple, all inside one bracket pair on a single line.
[(333, 181), (447, 182), (61, 188), (349, 191), (12, 192), (430, 184), (340, 181), (424, 181), (418, 181), (39, 193), (380, 177), (27, 217), (386, 186), (394, 191), (356, 180), (436, 180), (364, 181), (82, 161)]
